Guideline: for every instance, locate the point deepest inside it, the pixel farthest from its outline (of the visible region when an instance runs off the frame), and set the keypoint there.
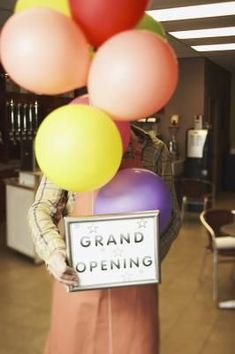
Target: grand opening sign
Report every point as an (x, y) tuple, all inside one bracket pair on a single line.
[(114, 250)]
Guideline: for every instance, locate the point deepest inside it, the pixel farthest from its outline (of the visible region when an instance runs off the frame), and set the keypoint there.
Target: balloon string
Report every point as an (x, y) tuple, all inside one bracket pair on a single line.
[(93, 198), (110, 321), (92, 203)]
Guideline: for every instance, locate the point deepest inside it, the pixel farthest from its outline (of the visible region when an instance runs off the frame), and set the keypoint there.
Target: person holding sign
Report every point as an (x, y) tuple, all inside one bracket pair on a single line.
[(105, 321)]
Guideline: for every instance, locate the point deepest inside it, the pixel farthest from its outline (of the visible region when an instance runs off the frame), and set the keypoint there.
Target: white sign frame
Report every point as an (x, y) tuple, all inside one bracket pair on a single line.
[(78, 245)]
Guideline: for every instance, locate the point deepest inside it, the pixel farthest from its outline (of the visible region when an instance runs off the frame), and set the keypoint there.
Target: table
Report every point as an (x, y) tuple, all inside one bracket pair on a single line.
[(228, 229), (227, 305), (19, 198)]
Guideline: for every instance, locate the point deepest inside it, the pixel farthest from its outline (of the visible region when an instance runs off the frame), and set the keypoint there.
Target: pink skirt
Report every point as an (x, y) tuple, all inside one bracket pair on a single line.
[(108, 321), (111, 321)]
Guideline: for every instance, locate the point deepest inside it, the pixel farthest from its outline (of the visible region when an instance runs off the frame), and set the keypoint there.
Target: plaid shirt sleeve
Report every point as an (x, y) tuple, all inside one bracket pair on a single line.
[(156, 157), (50, 201), (44, 216)]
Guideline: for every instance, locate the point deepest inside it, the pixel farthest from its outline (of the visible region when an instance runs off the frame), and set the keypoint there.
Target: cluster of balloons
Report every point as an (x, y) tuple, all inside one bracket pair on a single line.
[(115, 49)]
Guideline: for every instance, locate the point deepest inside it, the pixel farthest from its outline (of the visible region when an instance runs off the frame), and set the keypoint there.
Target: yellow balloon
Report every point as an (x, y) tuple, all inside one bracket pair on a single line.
[(58, 5), (78, 147)]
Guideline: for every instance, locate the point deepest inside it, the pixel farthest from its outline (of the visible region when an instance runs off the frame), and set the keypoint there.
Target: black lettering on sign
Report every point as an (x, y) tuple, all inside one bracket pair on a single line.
[(112, 240), (138, 237), (85, 241), (126, 238), (99, 240), (81, 267)]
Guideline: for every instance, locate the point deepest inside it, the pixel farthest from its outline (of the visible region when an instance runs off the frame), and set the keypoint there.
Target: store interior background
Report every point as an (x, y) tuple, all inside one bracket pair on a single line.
[(190, 321)]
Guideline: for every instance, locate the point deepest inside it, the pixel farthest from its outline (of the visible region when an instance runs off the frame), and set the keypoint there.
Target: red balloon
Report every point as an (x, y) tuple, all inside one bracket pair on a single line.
[(101, 19), (123, 126)]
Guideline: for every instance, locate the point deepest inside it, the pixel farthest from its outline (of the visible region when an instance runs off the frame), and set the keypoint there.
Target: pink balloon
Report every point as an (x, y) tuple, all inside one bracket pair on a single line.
[(44, 51), (133, 75), (84, 99), (123, 126), (125, 132)]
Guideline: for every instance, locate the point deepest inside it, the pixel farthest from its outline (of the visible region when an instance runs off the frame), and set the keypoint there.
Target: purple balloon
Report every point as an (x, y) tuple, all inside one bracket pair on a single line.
[(135, 189)]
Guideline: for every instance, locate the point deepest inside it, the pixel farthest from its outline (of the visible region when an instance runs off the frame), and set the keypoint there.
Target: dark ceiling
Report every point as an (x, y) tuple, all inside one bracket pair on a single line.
[(226, 59), (182, 48)]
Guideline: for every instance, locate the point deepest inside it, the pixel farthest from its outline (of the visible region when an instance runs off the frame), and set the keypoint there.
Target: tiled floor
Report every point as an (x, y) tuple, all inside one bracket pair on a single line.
[(190, 322), (24, 304)]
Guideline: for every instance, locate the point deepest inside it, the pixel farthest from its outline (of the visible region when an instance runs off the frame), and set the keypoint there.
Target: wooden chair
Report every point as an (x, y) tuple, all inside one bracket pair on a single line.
[(197, 193)]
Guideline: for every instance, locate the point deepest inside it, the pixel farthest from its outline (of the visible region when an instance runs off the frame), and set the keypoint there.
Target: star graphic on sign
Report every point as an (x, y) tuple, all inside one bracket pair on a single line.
[(141, 271), (76, 226), (92, 228), (126, 276), (142, 224), (118, 252)]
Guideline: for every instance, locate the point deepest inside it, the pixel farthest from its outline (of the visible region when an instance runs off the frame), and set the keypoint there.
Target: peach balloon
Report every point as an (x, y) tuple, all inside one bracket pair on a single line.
[(133, 75), (44, 51)]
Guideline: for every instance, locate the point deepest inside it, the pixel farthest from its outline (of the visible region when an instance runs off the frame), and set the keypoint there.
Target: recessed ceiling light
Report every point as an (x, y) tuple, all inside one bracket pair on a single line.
[(197, 11), (204, 33), (214, 47)]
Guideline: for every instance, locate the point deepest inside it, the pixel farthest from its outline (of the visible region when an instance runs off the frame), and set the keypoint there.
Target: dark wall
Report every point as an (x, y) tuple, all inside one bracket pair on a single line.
[(203, 88), (188, 99), (217, 112), (232, 112)]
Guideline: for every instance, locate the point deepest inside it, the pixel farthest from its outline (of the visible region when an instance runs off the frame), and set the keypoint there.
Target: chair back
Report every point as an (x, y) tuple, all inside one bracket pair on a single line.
[(197, 189), (213, 220), (216, 218)]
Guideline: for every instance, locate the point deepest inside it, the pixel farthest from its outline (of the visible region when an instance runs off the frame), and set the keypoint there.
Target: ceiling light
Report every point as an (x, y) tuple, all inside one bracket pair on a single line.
[(214, 47), (204, 33), (197, 11)]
